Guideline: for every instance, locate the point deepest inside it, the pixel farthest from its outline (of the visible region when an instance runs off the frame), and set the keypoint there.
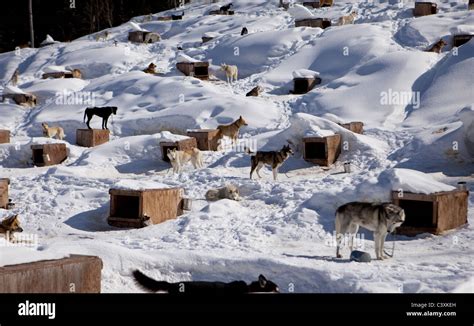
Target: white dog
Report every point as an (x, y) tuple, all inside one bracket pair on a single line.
[(53, 131), (179, 158), (349, 19), (228, 191), (231, 72)]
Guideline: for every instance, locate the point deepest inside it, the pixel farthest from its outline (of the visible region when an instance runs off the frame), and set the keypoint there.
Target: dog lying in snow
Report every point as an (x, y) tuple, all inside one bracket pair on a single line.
[(150, 69), (179, 158), (195, 287), (437, 47), (255, 91), (231, 72), (9, 226), (53, 131), (226, 192), (349, 19)]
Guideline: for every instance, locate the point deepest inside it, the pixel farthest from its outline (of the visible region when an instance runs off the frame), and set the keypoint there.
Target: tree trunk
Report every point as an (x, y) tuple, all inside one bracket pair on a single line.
[(32, 32)]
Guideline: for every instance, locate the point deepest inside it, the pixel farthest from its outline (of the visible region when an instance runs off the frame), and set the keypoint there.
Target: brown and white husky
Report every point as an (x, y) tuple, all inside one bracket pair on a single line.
[(179, 158), (274, 158)]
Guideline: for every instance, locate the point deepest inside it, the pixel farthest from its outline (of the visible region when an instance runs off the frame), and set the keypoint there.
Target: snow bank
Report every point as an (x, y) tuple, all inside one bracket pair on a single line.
[(54, 69), (10, 89), (413, 181), (138, 185), (305, 73), (21, 255), (300, 12), (185, 58)]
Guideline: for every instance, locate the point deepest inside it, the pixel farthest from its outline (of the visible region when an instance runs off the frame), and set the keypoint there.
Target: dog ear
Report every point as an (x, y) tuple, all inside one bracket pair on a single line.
[(262, 281)]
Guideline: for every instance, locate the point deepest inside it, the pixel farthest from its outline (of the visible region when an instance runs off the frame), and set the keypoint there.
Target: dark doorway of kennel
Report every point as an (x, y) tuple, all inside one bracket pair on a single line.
[(418, 213), (165, 149), (38, 156), (315, 150), (125, 207)]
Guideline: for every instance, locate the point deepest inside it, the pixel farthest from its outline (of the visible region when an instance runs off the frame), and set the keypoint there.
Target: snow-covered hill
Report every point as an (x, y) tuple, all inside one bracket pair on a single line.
[(281, 229)]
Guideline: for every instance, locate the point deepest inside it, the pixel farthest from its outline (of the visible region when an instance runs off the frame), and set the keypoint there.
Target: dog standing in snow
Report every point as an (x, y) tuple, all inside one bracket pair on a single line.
[(231, 72), (179, 158), (349, 19), (228, 191), (437, 47), (53, 131)]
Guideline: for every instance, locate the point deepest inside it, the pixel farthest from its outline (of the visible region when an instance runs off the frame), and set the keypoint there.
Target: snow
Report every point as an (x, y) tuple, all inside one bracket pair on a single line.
[(300, 12), (420, 142), (305, 73), (54, 69), (10, 89), (48, 40)]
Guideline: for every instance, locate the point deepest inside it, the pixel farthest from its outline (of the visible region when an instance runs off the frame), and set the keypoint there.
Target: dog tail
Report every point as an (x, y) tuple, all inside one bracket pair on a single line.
[(85, 113), (149, 284)]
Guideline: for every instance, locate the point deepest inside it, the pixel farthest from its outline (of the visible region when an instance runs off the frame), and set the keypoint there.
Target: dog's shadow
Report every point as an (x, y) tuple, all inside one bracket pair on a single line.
[(91, 221), (322, 258), (143, 166)]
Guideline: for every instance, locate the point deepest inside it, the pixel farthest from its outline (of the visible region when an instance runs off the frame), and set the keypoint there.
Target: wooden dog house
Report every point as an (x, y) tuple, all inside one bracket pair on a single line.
[(461, 39), (425, 9), (4, 136), (138, 208), (207, 139), (49, 154), (92, 137), (196, 69), (180, 145), (313, 22), (433, 213), (302, 85), (74, 274), (312, 4), (221, 12), (4, 184), (355, 126), (143, 37), (323, 151)]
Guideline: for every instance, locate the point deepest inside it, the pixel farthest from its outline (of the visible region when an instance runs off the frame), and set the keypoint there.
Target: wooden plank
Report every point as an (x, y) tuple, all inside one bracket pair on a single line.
[(92, 137), (4, 136)]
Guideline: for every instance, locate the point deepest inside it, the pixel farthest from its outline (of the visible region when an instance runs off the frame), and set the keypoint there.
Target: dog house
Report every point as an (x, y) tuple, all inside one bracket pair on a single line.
[(311, 4), (196, 69), (326, 3), (49, 154), (355, 126), (461, 39), (221, 12), (433, 213), (207, 139), (425, 9), (92, 137), (302, 85), (313, 22), (143, 37), (180, 145), (63, 74), (4, 184), (470, 5), (138, 208), (4, 136), (323, 151), (73, 274), (164, 18)]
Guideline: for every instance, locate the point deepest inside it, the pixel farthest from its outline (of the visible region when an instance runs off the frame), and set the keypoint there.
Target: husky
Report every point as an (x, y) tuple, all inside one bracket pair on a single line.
[(195, 287), (231, 72), (275, 159), (437, 47), (9, 227), (103, 112), (52, 131), (15, 77), (255, 91), (179, 158), (76, 73), (151, 69), (102, 36), (349, 19), (226, 192), (232, 130), (380, 218), (226, 8)]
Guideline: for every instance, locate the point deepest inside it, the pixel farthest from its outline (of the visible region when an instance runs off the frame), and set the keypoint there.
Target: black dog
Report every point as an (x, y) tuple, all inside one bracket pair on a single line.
[(103, 112), (245, 31), (236, 287), (226, 8)]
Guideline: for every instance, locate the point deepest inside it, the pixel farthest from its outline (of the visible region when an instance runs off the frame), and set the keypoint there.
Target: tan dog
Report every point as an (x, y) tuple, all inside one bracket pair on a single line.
[(231, 72), (179, 158), (9, 227), (255, 91), (437, 47), (151, 69), (76, 73), (228, 191), (232, 130), (349, 19), (53, 131)]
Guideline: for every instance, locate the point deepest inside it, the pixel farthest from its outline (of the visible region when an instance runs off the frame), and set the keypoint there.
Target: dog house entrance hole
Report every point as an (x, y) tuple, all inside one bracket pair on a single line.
[(38, 157), (418, 213), (200, 71), (301, 85), (315, 150), (165, 152), (127, 207)]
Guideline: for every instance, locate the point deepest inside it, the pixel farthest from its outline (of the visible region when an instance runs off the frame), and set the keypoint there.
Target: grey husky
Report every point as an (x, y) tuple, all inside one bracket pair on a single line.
[(275, 159), (380, 218)]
